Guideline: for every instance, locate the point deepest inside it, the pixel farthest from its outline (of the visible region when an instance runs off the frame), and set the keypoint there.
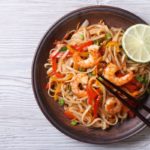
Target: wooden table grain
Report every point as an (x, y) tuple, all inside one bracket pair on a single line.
[(22, 124)]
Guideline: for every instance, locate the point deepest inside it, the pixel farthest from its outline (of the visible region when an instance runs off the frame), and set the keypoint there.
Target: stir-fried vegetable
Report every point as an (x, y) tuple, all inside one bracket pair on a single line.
[(141, 79), (97, 42), (113, 44), (74, 122), (54, 66), (63, 49), (61, 102), (133, 85), (108, 36), (69, 114), (81, 47), (91, 95), (82, 36), (57, 90), (96, 104), (90, 74)]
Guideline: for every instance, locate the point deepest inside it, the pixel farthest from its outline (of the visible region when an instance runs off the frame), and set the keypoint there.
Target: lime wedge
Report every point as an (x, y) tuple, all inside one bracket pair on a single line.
[(136, 43)]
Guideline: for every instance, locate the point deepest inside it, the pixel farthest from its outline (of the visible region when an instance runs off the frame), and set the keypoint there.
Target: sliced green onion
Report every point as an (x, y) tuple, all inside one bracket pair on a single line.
[(82, 36), (63, 49), (141, 79), (97, 42), (74, 122), (100, 78), (108, 36), (90, 74), (61, 102)]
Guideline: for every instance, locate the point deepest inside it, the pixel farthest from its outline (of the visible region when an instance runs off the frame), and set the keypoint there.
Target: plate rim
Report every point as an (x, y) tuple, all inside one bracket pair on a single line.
[(138, 129)]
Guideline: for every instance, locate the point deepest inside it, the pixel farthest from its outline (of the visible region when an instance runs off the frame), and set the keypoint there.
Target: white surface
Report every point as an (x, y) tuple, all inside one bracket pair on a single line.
[(22, 25)]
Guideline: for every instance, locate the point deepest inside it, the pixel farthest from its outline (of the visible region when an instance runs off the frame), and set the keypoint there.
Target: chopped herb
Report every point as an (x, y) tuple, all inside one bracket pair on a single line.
[(63, 49), (61, 102), (90, 74), (74, 122), (108, 36), (100, 78), (82, 36), (81, 69), (97, 42), (141, 79)]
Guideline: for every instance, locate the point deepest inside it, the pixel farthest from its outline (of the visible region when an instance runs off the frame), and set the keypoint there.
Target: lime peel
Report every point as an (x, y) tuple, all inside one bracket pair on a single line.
[(141, 50)]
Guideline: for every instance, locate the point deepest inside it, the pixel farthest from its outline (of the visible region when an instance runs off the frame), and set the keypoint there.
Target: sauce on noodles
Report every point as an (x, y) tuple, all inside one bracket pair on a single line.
[(75, 62)]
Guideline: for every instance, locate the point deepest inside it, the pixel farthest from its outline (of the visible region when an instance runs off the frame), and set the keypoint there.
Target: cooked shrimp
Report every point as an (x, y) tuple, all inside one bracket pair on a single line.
[(113, 105), (79, 80), (109, 73), (92, 59)]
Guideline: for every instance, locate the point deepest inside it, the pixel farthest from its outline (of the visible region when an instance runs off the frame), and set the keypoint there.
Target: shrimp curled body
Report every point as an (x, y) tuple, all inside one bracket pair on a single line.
[(113, 105), (109, 73), (79, 80), (92, 59)]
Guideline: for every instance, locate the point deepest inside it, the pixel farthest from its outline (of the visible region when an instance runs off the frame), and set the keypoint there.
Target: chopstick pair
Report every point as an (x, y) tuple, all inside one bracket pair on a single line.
[(126, 99)]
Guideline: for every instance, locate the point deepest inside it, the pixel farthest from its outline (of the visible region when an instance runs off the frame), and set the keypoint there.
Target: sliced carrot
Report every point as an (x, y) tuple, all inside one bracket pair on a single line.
[(69, 114)]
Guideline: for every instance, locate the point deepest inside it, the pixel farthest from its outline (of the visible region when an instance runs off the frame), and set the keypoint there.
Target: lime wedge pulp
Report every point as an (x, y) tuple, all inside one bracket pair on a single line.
[(136, 43)]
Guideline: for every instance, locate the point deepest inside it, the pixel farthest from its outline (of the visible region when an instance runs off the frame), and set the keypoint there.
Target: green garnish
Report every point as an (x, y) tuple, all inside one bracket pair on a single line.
[(108, 36), (90, 74), (81, 69), (141, 79), (63, 49), (82, 36), (100, 78), (74, 122), (97, 42), (61, 102)]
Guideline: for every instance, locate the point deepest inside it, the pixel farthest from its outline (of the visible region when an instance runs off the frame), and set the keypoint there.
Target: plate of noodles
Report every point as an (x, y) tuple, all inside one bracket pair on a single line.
[(77, 49)]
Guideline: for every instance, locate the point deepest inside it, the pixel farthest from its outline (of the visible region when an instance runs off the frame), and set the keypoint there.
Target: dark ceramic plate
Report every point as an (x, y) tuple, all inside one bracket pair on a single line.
[(113, 17)]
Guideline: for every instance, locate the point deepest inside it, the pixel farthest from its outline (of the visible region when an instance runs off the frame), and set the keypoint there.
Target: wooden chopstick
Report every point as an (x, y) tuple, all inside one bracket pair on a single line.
[(124, 101), (134, 100)]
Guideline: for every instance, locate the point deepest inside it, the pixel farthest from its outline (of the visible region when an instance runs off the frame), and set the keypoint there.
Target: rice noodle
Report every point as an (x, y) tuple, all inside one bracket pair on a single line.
[(63, 73)]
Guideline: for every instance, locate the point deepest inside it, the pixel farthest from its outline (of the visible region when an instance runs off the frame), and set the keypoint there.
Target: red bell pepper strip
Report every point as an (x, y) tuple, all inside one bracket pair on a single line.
[(91, 95), (69, 114), (134, 85), (96, 104), (81, 47), (54, 67), (60, 54), (54, 54), (54, 64)]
